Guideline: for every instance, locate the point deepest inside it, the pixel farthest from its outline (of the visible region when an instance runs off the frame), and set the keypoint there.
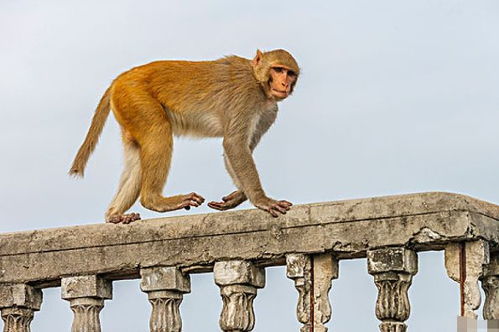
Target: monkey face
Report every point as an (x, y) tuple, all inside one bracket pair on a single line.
[(281, 81)]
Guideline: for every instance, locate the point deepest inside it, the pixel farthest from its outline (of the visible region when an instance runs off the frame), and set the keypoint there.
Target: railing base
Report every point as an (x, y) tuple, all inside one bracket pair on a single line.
[(466, 324), (493, 325)]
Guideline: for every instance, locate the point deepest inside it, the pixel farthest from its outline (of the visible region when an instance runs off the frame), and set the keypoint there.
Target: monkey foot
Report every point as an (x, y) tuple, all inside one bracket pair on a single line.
[(124, 218)]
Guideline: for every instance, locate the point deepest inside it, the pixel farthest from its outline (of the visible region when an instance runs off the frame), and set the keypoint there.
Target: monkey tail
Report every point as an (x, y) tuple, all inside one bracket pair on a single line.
[(88, 146)]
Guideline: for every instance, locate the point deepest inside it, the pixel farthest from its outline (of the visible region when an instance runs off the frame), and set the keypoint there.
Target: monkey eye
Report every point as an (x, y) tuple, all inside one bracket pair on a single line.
[(291, 73), (278, 69)]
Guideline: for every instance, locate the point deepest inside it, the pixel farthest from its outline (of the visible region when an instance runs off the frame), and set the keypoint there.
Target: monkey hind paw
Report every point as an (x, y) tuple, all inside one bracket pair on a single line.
[(123, 218)]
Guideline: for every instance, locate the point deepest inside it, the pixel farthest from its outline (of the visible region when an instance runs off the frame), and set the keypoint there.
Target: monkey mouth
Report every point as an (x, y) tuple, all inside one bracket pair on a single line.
[(280, 93)]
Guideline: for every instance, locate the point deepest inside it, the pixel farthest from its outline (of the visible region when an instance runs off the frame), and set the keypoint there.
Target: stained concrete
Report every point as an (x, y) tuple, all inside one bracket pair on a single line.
[(348, 228)]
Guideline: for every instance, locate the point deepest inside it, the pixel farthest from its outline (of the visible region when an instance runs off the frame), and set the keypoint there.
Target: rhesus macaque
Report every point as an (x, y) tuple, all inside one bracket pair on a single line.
[(232, 97)]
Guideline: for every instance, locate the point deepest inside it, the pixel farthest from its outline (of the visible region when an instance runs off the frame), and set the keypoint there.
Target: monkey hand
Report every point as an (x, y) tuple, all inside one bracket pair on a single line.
[(272, 206), (186, 201), (229, 202)]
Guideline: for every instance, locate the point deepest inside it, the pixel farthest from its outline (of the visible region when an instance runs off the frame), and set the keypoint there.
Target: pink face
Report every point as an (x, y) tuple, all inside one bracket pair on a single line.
[(282, 79)]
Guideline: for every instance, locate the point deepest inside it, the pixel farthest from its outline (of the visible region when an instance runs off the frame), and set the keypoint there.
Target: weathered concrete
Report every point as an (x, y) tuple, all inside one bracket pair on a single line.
[(347, 228), (490, 284), (392, 269), (238, 281), (299, 269), (312, 275), (86, 296), (18, 302), (476, 255), (165, 287)]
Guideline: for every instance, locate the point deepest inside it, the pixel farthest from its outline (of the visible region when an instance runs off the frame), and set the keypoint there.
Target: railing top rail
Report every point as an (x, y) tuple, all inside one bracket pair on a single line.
[(349, 228)]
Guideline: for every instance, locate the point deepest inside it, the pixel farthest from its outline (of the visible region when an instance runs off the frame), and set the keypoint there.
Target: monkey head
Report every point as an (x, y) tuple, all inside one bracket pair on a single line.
[(277, 71)]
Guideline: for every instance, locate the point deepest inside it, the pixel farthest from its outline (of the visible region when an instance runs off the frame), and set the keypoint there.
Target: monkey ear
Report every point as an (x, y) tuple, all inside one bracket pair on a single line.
[(257, 59)]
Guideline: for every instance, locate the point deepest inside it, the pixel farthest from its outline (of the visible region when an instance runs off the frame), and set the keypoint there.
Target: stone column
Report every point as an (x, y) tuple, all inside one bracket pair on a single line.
[(165, 287), (18, 303), (86, 295), (312, 276), (393, 269), (238, 281), (464, 264), (490, 284)]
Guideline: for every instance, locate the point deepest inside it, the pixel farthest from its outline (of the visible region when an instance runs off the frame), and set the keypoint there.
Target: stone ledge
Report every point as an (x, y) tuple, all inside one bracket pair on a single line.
[(425, 221)]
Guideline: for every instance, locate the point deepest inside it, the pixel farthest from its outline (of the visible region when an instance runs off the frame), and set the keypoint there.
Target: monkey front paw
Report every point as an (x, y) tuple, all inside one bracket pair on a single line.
[(192, 199), (229, 202), (123, 218), (164, 204), (273, 207)]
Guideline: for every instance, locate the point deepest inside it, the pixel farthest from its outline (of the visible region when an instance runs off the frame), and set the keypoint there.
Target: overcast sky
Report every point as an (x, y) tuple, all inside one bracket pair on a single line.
[(395, 97)]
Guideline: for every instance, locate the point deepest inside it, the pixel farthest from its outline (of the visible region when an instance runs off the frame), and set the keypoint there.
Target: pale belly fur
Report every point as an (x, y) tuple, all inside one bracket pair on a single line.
[(196, 124)]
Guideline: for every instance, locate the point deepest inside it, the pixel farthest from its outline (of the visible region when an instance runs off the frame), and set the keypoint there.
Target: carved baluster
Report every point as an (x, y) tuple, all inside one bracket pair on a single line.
[(18, 303), (165, 287), (393, 269), (299, 268), (313, 276), (86, 295), (238, 281), (325, 269), (490, 284), (464, 264)]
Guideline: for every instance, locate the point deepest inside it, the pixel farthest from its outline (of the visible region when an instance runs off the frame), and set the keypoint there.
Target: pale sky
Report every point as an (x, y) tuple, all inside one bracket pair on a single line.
[(395, 97)]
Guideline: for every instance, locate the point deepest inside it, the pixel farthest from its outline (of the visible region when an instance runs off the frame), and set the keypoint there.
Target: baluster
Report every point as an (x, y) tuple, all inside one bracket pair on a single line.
[(393, 269), (18, 303), (238, 281), (86, 295), (312, 276), (464, 263), (165, 287), (490, 284), (299, 268)]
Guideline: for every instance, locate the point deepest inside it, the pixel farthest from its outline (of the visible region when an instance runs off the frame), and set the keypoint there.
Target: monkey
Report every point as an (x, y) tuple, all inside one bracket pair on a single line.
[(233, 98)]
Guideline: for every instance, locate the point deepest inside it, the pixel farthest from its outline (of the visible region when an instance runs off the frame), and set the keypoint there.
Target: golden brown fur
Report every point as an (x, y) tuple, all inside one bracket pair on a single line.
[(233, 98), (93, 134)]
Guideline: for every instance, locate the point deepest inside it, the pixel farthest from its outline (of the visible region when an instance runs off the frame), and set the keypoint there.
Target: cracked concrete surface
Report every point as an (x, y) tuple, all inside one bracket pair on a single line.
[(348, 228)]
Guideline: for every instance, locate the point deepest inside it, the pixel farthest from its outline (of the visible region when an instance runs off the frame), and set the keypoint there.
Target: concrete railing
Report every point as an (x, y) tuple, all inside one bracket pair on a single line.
[(238, 246)]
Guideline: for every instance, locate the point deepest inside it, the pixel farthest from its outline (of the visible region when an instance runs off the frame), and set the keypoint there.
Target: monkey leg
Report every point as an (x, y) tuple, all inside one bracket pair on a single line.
[(231, 172), (129, 187), (233, 199), (156, 143)]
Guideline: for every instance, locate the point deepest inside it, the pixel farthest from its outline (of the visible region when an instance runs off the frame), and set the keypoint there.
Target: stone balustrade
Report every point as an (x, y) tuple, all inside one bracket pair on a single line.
[(237, 247)]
